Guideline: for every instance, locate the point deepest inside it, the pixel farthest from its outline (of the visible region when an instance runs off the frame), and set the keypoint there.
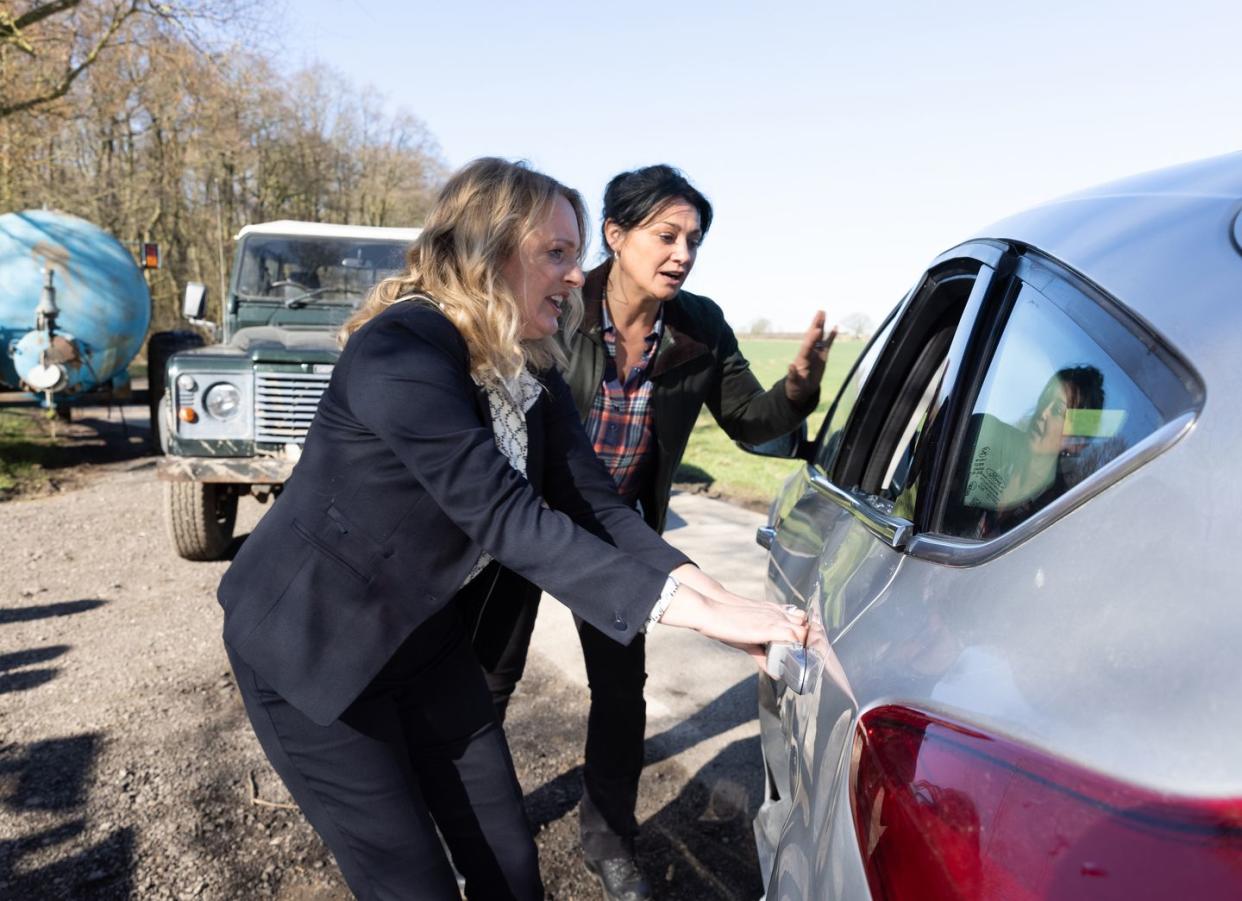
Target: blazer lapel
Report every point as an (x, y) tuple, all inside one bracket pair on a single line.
[(534, 444), (480, 401)]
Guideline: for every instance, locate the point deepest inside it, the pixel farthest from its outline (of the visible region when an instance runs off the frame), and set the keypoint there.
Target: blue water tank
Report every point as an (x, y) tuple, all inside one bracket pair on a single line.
[(102, 304)]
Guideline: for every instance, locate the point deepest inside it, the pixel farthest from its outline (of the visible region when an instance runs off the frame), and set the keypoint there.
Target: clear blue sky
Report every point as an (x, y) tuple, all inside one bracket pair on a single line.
[(842, 146)]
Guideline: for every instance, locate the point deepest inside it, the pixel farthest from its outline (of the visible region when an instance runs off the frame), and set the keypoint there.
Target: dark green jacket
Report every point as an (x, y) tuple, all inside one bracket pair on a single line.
[(697, 362)]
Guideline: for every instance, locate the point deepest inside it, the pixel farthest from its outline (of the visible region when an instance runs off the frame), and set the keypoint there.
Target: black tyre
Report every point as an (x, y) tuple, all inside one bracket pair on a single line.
[(200, 517), (161, 346)]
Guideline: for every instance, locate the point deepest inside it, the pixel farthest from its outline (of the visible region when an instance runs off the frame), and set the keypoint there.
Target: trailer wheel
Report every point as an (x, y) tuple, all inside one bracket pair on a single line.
[(200, 518)]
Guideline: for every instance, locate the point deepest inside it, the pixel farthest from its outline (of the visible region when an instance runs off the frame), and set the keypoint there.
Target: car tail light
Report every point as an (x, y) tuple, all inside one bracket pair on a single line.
[(944, 812)]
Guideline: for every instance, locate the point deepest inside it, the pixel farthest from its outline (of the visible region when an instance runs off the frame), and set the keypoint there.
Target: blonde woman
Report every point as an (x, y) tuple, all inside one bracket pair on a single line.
[(445, 440)]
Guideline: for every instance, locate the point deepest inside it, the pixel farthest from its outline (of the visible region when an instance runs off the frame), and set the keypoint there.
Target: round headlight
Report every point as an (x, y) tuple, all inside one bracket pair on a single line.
[(222, 401), (186, 382)]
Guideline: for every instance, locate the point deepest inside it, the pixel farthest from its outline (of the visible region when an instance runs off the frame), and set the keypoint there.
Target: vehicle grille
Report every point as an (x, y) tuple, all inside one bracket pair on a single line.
[(284, 405)]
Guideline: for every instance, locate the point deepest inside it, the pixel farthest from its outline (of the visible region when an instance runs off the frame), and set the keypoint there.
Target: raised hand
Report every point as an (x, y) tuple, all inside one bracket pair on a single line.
[(807, 369)]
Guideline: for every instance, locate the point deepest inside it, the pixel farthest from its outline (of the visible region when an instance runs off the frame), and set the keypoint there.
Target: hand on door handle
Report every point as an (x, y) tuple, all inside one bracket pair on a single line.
[(788, 662)]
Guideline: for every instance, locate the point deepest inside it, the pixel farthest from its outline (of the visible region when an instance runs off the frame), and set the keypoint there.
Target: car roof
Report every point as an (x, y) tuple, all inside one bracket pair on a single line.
[(293, 227), (1165, 244)]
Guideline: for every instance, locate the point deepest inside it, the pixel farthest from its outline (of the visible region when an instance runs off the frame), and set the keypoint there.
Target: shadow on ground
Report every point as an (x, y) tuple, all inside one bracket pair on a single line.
[(695, 841), (700, 844), (42, 611), (52, 778)]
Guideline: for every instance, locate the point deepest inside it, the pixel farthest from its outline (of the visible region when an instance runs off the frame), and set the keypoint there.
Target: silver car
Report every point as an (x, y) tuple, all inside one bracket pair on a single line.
[(1013, 537)]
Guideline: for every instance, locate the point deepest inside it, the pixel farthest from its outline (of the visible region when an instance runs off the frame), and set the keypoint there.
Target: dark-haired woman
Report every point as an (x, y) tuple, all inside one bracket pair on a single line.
[(645, 360)]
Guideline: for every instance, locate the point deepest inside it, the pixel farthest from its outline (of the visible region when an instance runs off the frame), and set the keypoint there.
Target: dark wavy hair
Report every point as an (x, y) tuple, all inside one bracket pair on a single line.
[(1083, 385), (632, 198)]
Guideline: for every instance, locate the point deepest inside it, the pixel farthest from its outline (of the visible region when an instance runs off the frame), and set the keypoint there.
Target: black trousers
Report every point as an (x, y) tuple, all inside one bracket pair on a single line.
[(502, 611), (420, 748)]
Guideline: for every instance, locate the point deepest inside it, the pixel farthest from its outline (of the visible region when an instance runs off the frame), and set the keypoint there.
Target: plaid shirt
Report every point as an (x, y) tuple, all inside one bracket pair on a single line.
[(620, 421)]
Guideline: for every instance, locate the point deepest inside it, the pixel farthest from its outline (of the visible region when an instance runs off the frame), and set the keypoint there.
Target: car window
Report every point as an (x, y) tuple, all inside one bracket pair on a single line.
[(884, 453), (833, 429), (334, 269), (899, 486), (1061, 399)]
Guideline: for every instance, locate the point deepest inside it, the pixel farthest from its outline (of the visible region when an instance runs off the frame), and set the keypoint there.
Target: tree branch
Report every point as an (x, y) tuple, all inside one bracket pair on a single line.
[(39, 13), (11, 29), (66, 82)]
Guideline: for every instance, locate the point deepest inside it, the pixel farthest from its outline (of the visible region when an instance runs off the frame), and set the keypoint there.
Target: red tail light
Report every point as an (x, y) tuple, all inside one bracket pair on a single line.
[(944, 812)]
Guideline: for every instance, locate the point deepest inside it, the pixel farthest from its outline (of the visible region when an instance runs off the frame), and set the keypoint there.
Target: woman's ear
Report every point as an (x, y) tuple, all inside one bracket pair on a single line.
[(614, 235)]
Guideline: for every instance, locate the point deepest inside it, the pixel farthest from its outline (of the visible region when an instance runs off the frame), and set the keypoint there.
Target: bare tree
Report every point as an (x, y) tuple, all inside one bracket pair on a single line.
[(57, 41), (163, 138), (47, 48), (860, 325)]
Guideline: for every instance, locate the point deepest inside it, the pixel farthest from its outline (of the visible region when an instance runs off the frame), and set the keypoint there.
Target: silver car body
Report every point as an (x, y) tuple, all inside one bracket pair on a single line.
[(1103, 632)]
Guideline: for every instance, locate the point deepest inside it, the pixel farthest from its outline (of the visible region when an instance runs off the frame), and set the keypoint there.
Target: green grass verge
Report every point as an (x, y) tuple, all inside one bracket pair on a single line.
[(26, 450), (712, 459)]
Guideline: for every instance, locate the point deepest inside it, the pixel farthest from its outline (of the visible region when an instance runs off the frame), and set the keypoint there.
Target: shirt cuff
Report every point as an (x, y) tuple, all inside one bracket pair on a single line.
[(667, 593)]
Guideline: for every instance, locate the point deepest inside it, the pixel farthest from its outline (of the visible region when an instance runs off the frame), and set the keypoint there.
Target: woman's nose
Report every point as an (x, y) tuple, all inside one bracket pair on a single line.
[(574, 278)]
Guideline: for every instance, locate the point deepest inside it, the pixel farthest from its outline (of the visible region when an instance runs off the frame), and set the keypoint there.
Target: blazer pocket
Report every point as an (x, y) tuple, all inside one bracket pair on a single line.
[(342, 550)]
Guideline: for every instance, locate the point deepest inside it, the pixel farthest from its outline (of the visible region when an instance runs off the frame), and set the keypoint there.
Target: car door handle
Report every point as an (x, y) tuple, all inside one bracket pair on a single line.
[(764, 536), (788, 662)]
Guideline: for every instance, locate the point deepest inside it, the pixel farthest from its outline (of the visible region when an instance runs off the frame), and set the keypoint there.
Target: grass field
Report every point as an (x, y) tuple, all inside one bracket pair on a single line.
[(25, 449), (713, 459)]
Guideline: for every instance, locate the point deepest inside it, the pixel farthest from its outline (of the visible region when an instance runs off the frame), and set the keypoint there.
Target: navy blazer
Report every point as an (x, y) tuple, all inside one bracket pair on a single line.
[(399, 489)]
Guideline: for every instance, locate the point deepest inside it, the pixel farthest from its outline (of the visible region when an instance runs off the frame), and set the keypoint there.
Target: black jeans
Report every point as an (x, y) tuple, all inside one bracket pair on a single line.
[(421, 743), (502, 624)]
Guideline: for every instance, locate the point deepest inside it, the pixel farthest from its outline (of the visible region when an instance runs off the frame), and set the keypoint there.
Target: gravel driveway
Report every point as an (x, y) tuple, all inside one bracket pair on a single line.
[(127, 767)]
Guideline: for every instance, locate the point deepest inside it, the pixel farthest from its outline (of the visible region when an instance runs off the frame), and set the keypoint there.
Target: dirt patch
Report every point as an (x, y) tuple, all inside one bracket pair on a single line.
[(738, 499)]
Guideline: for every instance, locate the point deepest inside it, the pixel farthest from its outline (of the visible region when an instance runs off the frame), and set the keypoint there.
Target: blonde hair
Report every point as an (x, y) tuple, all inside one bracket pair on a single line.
[(479, 221)]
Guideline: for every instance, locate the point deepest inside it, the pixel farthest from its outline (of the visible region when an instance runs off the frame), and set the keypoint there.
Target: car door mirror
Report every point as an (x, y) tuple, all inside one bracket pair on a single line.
[(194, 303), (790, 446)]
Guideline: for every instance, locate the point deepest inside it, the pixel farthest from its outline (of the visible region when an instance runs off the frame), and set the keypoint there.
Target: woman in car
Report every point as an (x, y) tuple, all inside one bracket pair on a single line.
[(646, 358), (445, 438), (1017, 470)]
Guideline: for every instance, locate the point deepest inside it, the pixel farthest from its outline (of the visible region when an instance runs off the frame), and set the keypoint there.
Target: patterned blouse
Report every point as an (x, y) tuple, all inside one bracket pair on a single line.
[(509, 401)]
